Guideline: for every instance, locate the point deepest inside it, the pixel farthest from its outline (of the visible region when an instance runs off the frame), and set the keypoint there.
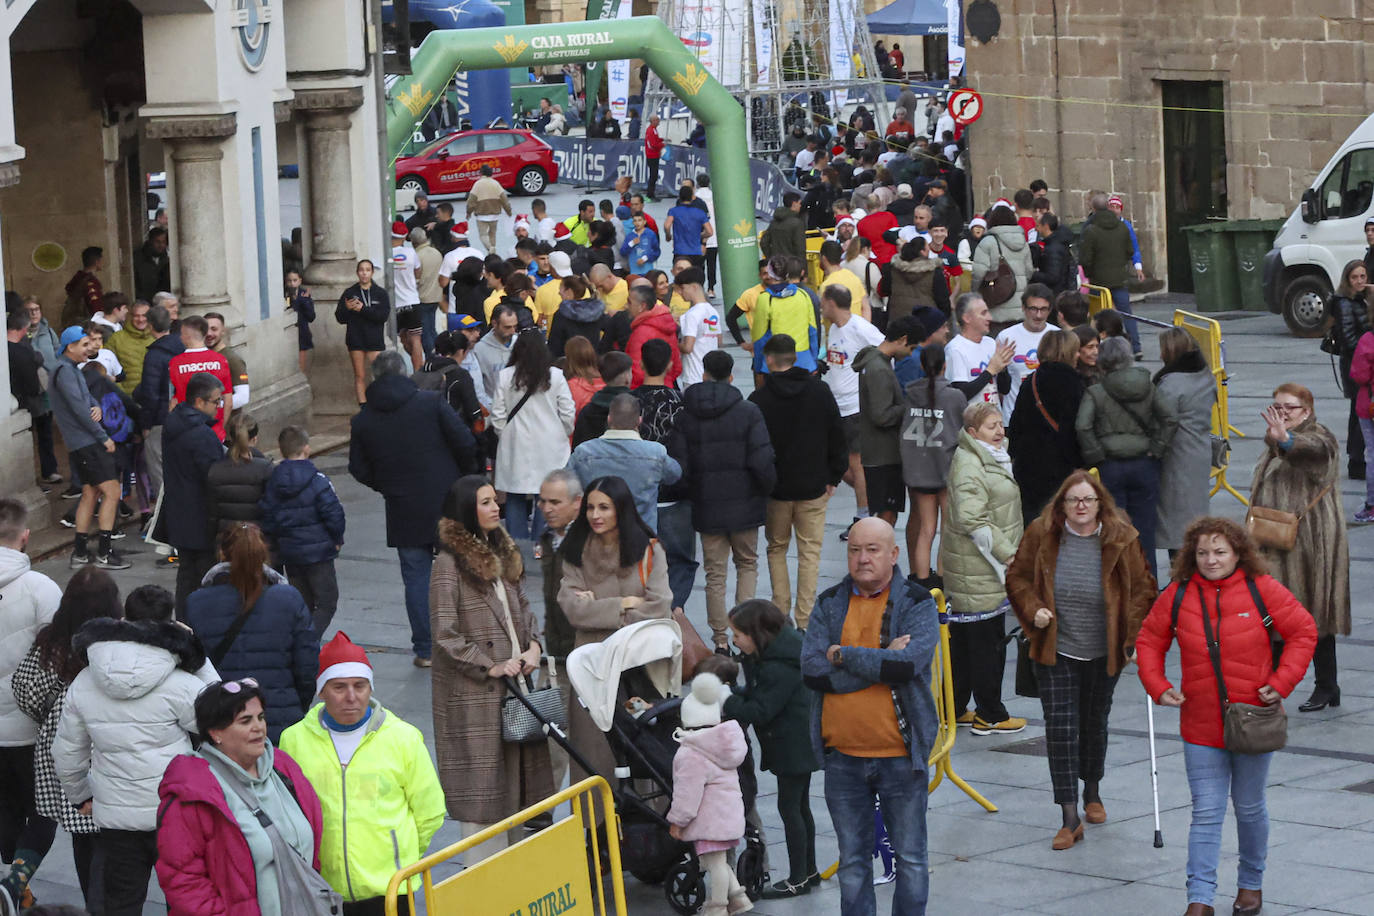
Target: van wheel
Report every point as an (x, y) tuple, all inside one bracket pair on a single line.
[(1304, 305)]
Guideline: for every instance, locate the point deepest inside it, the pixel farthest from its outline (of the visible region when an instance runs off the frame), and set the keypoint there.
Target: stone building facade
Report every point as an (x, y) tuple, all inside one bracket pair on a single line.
[(1076, 93)]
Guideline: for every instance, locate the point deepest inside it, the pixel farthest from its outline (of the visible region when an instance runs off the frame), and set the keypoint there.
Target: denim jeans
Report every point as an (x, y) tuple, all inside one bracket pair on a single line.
[(427, 312), (1134, 484), (679, 542), (1367, 432), (1121, 301), (1213, 773), (851, 786), (415, 565), (524, 521)]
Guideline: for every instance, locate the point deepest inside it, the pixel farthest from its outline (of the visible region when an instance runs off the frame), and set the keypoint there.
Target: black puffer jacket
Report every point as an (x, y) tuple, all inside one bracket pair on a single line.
[(1352, 321), (726, 458), (189, 448), (1057, 268), (1042, 457), (468, 289), (235, 488), (809, 455), (577, 318)]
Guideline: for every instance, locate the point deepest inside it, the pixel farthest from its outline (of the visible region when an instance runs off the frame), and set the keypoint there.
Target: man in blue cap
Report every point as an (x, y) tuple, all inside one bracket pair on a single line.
[(90, 450)]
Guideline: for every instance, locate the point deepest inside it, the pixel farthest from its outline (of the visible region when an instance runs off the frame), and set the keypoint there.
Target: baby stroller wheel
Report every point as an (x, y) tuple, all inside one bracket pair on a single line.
[(749, 868), (685, 886)]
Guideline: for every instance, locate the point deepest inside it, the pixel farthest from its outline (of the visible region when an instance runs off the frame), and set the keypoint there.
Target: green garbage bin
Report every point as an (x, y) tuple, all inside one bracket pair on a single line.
[(1212, 257), (1252, 239)]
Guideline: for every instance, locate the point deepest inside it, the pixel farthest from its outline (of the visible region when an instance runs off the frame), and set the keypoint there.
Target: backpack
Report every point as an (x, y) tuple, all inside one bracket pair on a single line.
[(440, 382), (115, 417)]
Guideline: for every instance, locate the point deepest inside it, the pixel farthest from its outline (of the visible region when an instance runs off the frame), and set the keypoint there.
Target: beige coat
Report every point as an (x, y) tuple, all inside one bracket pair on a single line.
[(487, 198), (484, 779), (597, 615), (1317, 569)]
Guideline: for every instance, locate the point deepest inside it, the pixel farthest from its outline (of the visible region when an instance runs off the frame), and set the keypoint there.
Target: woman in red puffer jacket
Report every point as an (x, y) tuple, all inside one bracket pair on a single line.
[(1217, 567)]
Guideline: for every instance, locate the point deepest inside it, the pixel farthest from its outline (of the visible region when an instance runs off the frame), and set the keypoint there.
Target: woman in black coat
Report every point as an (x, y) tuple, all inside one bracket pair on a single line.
[(238, 481), (1043, 441), (275, 642), (362, 310), (1349, 310)]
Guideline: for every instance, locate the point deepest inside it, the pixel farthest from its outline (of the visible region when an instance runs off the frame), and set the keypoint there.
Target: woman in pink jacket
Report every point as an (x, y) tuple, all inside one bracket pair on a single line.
[(1362, 374), (214, 858), (708, 809)]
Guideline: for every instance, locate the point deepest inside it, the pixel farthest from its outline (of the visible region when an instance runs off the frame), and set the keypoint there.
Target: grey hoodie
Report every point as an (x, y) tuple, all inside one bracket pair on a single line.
[(930, 432), (491, 356)]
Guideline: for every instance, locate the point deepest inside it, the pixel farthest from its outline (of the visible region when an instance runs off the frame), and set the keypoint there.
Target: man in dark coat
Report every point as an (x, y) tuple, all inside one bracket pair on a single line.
[(786, 234), (153, 394), (1057, 268), (727, 461), (1105, 253), (152, 266), (410, 447), (811, 459), (189, 447)]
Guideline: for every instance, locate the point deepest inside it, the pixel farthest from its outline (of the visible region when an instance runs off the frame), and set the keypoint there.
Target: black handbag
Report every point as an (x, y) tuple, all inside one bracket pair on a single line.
[(1026, 684)]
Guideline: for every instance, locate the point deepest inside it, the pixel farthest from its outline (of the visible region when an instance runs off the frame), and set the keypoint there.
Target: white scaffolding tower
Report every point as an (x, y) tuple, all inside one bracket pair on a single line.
[(784, 60)]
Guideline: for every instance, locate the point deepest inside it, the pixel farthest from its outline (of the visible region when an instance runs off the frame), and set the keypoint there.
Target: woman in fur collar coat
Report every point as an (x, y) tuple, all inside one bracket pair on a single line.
[(483, 632)]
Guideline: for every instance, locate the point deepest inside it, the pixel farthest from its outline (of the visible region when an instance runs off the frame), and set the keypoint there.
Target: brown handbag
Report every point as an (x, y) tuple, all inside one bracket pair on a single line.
[(1246, 728), (1275, 528), (999, 284)]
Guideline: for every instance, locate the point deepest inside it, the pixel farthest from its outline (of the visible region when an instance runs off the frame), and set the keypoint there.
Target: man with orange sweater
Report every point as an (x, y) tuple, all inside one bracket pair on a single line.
[(867, 652)]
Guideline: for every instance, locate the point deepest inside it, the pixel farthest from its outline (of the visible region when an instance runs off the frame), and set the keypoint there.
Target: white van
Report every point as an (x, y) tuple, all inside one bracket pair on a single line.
[(1322, 236)]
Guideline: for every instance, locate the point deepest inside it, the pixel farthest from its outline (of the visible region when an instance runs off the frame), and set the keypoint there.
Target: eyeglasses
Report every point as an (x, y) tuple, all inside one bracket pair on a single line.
[(1036, 310), (1081, 501), (1286, 408), (236, 686)]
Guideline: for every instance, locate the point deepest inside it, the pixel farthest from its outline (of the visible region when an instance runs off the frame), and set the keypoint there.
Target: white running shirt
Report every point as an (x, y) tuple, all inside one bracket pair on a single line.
[(701, 322), (1026, 360), (965, 360), (844, 344)]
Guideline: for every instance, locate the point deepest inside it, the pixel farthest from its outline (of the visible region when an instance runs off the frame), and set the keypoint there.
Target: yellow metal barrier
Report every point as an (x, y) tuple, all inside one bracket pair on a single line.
[(1099, 299), (1207, 333), (547, 872)]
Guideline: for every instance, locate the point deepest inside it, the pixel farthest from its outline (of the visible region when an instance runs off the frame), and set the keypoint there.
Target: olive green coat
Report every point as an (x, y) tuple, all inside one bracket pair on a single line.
[(981, 494)]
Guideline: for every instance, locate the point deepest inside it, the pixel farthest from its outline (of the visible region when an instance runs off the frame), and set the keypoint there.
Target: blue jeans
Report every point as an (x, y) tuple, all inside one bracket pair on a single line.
[(524, 521), (1367, 430), (427, 313), (415, 566), (679, 542), (1121, 301), (852, 784), (1134, 484), (1212, 772)]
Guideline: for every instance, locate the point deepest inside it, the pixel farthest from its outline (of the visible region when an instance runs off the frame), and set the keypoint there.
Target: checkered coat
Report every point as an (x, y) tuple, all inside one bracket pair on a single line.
[(39, 691)]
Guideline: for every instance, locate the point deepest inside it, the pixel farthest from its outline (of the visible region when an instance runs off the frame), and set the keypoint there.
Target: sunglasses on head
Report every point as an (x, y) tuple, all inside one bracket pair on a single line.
[(237, 686)]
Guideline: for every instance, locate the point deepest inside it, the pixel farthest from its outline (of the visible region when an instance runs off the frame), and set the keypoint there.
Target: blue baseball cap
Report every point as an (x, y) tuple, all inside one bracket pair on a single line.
[(71, 336), (463, 321)]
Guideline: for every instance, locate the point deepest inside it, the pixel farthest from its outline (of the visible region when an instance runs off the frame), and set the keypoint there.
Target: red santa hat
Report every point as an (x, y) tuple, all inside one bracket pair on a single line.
[(837, 150), (522, 222), (459, 230), (340, 657), (399, 230), (1002, 202), (561, 231)]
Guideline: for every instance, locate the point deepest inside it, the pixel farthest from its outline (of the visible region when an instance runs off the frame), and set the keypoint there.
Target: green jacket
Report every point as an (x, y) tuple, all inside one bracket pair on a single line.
[(786, 234), (778, 705), (129, 347), (882, 408), (381, 812), (1106, 252), (1124, 417), (982, 494)]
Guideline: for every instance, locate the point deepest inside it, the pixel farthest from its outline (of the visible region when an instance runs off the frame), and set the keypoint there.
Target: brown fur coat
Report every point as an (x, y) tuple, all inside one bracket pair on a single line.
[(1317, 569), (484, 779)]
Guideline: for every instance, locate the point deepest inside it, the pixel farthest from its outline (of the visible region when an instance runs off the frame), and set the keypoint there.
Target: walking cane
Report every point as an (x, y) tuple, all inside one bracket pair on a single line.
[(1154, 771)]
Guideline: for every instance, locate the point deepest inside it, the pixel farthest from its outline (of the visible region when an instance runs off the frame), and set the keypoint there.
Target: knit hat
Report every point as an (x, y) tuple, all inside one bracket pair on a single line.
[(399, 230), (71, 336), (560, 264), (1115, 201), (701, 707), (978, 221), (929, 318), (459, 230), (561, 231), (340, 657)]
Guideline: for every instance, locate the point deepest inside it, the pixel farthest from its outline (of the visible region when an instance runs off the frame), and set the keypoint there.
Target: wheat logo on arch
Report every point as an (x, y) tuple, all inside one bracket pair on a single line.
[(509, 50), (693, 80)]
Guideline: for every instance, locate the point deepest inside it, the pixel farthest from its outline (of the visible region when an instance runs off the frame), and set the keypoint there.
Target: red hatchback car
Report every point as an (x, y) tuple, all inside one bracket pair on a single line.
[(451, 165)]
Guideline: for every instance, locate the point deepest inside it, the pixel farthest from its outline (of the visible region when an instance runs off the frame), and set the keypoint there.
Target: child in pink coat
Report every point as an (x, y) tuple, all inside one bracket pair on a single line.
[(708, 809)]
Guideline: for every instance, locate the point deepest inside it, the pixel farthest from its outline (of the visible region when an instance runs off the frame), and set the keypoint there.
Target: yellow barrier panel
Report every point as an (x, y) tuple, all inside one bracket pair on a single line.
[(543, 874), (1207, 333), (1099, 299)]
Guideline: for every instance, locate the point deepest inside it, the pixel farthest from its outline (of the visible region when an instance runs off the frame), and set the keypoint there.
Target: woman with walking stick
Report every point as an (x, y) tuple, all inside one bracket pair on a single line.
[(1225, 609)]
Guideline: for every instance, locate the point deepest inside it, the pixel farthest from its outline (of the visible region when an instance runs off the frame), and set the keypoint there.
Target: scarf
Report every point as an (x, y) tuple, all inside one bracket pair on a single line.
[(1000, 455)]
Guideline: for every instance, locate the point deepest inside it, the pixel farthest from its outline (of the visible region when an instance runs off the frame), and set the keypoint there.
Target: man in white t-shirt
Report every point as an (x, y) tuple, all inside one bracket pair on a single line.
[(701, 325), (849, 333), (1035, 306), (405, 291), (968, 354)]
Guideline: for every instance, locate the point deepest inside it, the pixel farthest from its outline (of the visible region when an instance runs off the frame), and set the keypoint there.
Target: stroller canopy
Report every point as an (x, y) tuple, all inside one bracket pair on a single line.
[(595, 669)]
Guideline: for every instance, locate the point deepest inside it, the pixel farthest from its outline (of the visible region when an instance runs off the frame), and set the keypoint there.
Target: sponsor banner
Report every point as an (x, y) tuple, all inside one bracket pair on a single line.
[(841, 46), (763, 43), (954, 9), (618, 77), (597, 164)]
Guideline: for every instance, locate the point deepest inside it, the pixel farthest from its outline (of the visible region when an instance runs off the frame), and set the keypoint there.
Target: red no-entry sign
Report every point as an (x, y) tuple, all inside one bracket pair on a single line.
[(965, 106)]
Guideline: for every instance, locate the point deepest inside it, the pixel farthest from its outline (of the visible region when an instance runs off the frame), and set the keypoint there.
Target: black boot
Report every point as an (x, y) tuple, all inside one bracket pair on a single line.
[(1321, 698)]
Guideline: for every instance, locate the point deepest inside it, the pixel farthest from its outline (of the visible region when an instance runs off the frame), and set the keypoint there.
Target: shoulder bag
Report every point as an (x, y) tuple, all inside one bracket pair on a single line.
[(303, 891), (1054, 425), (223, 646), (493, 438), (999, 284), (1246, 729), (1275, 528)]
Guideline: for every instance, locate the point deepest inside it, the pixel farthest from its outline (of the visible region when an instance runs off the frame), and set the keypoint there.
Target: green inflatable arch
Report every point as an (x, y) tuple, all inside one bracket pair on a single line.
[(445, 52)]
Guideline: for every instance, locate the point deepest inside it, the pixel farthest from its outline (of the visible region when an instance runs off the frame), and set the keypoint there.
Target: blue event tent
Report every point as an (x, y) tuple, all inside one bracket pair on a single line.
[(910, 17)]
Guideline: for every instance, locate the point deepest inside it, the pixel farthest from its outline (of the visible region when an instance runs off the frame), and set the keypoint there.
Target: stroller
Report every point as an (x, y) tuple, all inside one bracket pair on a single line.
[(644, 661)]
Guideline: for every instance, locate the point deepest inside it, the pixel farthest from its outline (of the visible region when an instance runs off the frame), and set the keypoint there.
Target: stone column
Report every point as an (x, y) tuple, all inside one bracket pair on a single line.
[(328, 117), (196, 147)]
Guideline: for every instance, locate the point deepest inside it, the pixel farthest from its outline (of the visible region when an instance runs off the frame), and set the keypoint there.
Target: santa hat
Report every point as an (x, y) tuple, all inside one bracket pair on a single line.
[(977, 221), (399, 230), (847, 221), (561, 231), (1115, 201), (1003, 202), (522, 222), (340, 657), (459, 230), (837, 150), (701, 707)]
